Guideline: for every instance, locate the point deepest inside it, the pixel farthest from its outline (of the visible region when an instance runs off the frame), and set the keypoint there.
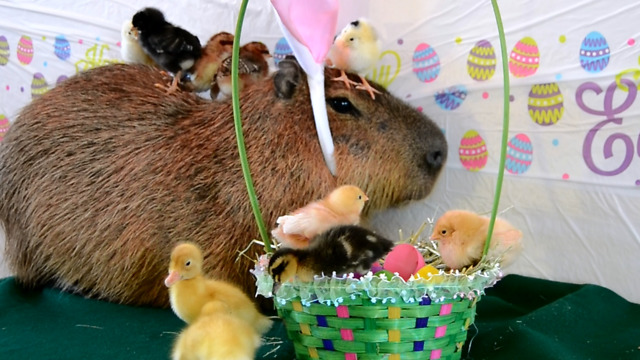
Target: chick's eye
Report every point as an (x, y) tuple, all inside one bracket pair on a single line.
[(342, 105), (188, 263), (443, 232), (351, 39), (359, 197)]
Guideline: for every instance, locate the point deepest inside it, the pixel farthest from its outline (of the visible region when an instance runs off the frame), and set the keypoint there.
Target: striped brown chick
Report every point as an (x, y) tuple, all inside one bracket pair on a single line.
[(343, 249)]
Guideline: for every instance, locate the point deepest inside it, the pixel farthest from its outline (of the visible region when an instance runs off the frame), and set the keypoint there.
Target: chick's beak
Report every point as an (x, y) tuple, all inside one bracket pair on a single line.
[(173, 277), (135, 32)]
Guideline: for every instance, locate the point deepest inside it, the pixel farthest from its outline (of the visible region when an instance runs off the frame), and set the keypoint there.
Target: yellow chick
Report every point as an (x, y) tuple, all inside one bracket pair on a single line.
[(130, 48), (190, 291), (343, 249), (461, 236), (355, 49), (217, 335), (341, 207)]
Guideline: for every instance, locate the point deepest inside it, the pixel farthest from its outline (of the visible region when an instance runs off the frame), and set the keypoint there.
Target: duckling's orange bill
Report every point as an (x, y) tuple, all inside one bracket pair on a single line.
[(173, 277)]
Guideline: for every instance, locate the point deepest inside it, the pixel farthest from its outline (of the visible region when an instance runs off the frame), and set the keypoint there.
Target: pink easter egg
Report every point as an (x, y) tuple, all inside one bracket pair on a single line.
[(405, 260), (25, 50)]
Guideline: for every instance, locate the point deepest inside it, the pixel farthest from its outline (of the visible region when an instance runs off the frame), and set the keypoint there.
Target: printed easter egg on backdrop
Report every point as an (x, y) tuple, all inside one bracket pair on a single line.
[(25, 50), (473, 151), (426, 63), (481, 62), (39, 86), (546, 104), (594, 52), (62, 48), (4, 50), (519, 154), (282, 50), (4, 126), (61, 78), (451, 98), (525, 58)]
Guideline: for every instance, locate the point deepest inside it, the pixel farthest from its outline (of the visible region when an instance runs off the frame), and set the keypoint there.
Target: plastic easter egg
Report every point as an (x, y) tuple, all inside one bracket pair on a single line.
[(282, 50), (39, 86), (429, 272), (546, 104), (594, 52), (4, 50), (62, 48), (451, 98), (4, 126), (426, 63), (473, 151), (519, 154), (25, 50), (404, 259), (481, 62), (387, 274), (525, 58)]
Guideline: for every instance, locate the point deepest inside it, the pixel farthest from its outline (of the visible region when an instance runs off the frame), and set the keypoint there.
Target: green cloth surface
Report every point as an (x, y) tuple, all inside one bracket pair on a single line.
[(519, 318)]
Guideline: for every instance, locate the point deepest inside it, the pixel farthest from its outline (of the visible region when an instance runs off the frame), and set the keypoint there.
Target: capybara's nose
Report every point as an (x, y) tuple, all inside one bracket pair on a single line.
[(435, 158)]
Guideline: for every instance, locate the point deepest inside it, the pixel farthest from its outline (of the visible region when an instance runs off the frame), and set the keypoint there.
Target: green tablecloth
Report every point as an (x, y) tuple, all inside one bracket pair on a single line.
[(519, 318)]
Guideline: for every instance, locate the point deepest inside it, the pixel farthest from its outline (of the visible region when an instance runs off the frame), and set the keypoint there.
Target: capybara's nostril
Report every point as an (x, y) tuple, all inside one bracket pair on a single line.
[(435, 159)]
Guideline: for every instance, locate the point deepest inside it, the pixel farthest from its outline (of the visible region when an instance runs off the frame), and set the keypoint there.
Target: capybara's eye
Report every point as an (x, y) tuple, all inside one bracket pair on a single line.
[(342, 105)]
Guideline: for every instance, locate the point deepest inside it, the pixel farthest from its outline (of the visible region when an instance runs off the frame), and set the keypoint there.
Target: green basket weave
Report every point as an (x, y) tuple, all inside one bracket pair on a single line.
[(362, 330)]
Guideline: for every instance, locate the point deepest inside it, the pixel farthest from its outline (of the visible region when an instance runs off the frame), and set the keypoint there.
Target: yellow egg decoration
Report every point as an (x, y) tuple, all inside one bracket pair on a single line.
[(546, 104), (473, 151), (481, 62), (428, 272)]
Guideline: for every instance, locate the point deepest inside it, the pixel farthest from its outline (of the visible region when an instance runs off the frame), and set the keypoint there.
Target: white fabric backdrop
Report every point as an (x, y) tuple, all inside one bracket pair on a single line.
[(576, 199)]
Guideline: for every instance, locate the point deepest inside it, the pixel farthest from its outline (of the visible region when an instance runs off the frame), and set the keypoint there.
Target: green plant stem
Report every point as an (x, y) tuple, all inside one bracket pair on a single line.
[(237, 120), (505, 125)]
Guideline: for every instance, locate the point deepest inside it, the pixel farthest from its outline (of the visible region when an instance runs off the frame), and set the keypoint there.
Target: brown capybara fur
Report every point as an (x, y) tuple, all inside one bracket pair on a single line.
[(104, 174)]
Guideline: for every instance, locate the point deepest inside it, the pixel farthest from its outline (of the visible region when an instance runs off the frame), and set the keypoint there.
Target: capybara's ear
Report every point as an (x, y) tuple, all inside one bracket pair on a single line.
[(287, 78)]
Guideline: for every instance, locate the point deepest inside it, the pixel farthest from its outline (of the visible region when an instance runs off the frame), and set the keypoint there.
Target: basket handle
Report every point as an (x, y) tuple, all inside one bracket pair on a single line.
[(505, 125), (237, 121)]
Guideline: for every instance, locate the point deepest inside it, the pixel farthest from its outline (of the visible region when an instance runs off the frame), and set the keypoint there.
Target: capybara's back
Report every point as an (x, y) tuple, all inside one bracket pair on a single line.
[(104, 174)]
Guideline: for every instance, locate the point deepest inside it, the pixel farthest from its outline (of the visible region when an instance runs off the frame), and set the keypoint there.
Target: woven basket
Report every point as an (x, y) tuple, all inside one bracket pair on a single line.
[(360, 329)]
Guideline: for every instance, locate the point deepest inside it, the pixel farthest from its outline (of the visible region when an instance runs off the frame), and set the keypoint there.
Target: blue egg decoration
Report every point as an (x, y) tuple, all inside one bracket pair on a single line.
[(519, 154), (62, 48), (594, 52), (451, 98), (426, 63), (282, 50)]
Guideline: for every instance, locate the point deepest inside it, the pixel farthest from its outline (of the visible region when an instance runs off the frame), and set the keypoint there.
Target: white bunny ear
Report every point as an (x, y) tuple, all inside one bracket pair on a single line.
[(315, 79)]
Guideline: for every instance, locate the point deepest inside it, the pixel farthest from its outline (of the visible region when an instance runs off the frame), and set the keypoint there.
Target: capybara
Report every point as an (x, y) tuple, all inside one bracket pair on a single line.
[(103, 175)]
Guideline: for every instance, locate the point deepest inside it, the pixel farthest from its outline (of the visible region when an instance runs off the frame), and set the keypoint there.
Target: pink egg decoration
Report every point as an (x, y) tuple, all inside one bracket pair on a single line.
[(25, 50), (405, 260)]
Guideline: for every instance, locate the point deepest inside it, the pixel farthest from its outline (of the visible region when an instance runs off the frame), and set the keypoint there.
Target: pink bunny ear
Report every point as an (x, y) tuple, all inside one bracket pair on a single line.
[(312, 23)]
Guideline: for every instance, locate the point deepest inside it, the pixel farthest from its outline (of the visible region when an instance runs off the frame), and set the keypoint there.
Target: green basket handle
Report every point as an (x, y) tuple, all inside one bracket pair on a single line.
[(243, 153)]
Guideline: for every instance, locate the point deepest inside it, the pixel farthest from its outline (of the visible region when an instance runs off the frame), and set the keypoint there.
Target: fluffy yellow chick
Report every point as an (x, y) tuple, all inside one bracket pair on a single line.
[(217, 335), (461, 236), (130, 48), (341, 207), (355, 49), (190, 291)]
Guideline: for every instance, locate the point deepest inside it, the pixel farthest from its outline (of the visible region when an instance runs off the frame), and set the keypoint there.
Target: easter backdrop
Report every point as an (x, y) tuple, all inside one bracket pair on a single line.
[(572, 180)]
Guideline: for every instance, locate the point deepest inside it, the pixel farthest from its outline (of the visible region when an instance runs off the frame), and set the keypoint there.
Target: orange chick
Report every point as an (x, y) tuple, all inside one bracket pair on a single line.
[(461, 236), (214, 52), (341, 207), (355, 49), (190, 291), (217, 335), (252, 67)]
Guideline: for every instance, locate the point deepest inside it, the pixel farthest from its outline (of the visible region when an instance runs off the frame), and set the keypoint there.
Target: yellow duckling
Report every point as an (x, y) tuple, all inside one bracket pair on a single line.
[(189, 290), (217, 335)]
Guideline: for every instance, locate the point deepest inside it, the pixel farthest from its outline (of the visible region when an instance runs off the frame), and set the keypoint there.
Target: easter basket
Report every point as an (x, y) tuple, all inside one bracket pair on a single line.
[(371, 316)]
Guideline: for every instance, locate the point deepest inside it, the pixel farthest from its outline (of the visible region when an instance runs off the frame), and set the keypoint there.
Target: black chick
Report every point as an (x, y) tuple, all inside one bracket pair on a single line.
[(172, 48), (343, 249)]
